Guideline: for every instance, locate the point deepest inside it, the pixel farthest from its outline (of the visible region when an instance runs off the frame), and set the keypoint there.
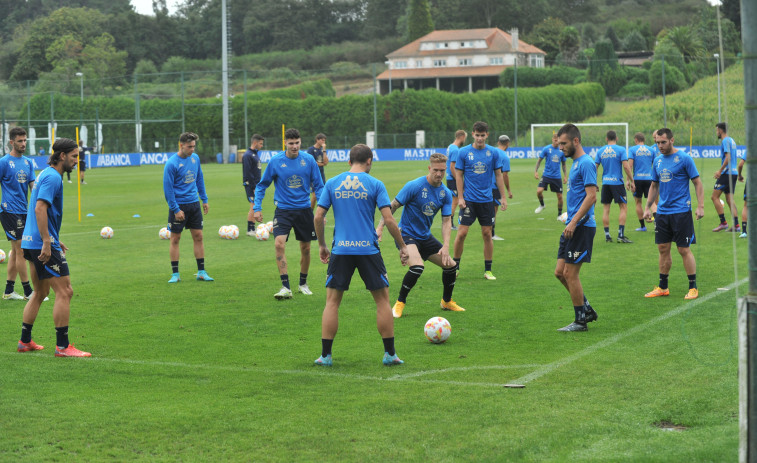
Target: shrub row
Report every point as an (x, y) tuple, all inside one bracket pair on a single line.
[(400, 112)]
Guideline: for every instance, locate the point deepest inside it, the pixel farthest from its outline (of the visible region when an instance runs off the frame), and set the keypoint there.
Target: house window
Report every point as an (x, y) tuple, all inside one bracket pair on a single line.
[(419, 63), (496, 61), (440, 63), (400, 64), (536, 61), (464, 62)]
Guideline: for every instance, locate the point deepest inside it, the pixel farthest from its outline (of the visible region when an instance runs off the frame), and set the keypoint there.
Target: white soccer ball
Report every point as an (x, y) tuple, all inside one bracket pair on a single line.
[(2, 256), (223, 232), (437, 330), (269, 226), (233, 232), (262, 233), (563, 217), (164, 233), (106, 233)]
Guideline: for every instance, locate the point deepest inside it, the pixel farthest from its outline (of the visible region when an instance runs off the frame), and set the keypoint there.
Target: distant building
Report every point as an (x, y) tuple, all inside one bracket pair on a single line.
[(634, 58), (457, 60)]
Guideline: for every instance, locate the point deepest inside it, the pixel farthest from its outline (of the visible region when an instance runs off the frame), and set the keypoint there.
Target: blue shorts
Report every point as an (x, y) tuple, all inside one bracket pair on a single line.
[(726, 183), (192, 218), (370, 267), (452, 185), (555, 184), (484, 212), (613, 192), (57, 266), (577, 249), (642, 188), (13, 224), (299, 219), (675, 227), (426, 248)]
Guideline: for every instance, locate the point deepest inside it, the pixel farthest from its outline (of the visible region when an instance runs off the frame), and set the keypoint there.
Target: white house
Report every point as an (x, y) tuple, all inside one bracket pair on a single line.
[(457, 60)]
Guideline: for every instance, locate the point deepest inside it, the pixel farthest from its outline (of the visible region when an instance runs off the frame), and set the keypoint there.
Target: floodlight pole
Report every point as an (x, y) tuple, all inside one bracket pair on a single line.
[(225, 78), (375, 118), (664, 105), (748, 305), (717, 62), (722, 68)]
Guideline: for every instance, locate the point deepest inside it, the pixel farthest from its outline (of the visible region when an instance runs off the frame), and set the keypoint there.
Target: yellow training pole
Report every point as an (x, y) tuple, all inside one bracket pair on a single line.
[(283, 144), (78, 173)]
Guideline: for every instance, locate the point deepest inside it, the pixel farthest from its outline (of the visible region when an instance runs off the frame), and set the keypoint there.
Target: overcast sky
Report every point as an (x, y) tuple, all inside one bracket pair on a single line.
[(145, 6)]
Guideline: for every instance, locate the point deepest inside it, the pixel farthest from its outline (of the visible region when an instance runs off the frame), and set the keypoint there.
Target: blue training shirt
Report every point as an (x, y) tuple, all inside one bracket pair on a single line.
[(503, 165), (582, 173), (478, 166), (183, 181), (553, 159), (16, 173), (354, 197), (672, 172), (452, 151), (643, 157), (48, 188), (729, 146), (611, 158), (421, 202), (292, 178)]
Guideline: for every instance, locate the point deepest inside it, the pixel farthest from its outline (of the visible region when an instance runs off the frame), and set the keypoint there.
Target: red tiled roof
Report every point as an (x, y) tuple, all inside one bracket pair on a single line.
[(498, 41), (430, 73)]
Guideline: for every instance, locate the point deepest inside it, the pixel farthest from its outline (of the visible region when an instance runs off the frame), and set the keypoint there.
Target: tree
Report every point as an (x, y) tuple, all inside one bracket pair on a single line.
[(570, 43), (546, 35), (604, 55), (686, 41), (634, 42), (80, 25), (731, 9), (381, 18), (612, 37), (419, 21), (589, 35)]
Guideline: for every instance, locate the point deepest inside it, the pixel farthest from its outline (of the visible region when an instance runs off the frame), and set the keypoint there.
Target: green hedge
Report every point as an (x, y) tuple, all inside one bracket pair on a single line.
[(400, 112), (540, 77)]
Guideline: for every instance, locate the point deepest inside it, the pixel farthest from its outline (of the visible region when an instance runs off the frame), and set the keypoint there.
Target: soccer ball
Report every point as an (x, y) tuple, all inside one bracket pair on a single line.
[(437, 330), (164, 233), (2, 256), (106, 233), (262, 233), (223, 232), (269, 226), (233, 232), (563, 217)]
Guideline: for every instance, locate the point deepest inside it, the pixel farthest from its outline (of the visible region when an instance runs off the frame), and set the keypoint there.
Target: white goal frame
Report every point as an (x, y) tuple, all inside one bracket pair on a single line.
[(587, 124)]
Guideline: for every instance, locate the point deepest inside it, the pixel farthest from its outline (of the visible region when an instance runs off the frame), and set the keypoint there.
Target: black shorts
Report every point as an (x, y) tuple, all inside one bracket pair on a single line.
[(13, 224), (370, 267), (192, 218), (82, 164), (577, 249), (642, 188), (299, 219), (426, 248), (613, 192), (555, 184), (452, 185), (57, 266), (678, 228), (250, 192), (483, 211), (726, 183)]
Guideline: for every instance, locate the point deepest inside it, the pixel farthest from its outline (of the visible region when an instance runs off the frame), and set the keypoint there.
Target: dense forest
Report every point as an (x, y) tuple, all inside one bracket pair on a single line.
[(108, 39)]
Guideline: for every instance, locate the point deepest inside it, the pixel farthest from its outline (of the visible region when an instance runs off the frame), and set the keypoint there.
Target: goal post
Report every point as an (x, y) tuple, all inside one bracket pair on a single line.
[(592, 140)]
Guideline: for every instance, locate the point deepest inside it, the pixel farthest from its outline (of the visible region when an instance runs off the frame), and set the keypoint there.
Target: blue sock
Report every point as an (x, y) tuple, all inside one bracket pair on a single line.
[(621, 230), (285, 280)]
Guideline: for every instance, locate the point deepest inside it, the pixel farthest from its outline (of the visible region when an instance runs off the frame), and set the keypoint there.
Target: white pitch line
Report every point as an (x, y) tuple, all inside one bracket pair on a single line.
[(549, 368), (315, 371)]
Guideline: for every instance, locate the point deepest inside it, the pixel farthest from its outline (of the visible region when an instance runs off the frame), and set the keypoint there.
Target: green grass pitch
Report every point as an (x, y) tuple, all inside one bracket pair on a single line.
[(221, 371)]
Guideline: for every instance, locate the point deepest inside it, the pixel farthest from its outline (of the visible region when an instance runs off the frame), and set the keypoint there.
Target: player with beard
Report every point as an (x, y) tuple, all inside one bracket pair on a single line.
[(42, 247), (577, 239)]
